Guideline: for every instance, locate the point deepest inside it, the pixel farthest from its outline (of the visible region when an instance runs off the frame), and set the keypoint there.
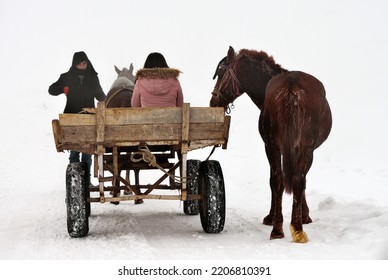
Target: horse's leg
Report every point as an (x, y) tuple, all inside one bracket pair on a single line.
[(277, 230), (305, 209), (299, 198), (275, 215), (268, 220), (296, 227)]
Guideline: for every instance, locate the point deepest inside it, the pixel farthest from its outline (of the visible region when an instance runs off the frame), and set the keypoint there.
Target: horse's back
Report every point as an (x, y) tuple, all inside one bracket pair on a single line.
[(298, 99), (303, 85), (119, 97)]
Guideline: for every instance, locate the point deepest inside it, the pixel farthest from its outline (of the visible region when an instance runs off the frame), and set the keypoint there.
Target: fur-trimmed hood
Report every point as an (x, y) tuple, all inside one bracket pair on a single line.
[(157, 73), (157, 87)]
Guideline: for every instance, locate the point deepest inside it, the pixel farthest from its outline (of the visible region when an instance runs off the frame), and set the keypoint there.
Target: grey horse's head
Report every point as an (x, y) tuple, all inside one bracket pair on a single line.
[(128, 73)]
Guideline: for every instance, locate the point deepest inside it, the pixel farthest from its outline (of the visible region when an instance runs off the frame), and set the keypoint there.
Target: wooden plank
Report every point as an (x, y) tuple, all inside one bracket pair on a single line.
[(115, 155), (226, 132), (132, 126), (171, 132), (100, 128), (199, 144), (134, 197), (143, 132), (111, 144), (95, 164), (57, 135), (77, 119), (185, 127), (90, 148), (185, 145), (100, 159), (206, 131), (100, 122), (124, 116), (76, 134), (206, 114), (152, 132)]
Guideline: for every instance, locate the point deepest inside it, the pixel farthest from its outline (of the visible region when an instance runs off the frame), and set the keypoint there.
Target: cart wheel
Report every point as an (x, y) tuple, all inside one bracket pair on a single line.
[(191, 207), (212, 190), (87, 194), (77, 188)]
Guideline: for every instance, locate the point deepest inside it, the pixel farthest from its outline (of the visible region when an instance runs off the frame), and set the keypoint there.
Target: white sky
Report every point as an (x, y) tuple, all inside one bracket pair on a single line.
[(343, 43), (318, 37)]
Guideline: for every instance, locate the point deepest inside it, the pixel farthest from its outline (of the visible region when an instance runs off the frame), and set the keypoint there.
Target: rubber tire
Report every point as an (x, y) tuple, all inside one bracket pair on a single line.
[(77, 187), (191, 207), (87, 193), (212, 190)]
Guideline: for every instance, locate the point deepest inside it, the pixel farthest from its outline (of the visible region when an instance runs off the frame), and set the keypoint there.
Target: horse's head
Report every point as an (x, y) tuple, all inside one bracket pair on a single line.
[(128, 73), (125, 77), (227, 87)]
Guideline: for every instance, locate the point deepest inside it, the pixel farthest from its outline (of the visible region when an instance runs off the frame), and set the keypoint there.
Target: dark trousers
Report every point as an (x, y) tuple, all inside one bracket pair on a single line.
[(86, 158)]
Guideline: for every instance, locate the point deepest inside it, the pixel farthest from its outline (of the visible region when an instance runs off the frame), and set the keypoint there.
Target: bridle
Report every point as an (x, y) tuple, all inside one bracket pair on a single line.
[(229, 96)]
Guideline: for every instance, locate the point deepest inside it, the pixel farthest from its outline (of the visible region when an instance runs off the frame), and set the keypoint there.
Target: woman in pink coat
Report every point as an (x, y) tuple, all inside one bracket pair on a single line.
[(157, 85)]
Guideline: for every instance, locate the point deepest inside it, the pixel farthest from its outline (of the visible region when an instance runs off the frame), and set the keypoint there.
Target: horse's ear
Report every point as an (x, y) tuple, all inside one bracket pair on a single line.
[(131, 68), (231, 53), (117, 70)]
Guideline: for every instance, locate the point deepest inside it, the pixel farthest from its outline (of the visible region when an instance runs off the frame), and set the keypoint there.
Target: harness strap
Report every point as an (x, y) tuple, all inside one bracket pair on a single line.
[(236, 80), (212, 151), (112, 95)]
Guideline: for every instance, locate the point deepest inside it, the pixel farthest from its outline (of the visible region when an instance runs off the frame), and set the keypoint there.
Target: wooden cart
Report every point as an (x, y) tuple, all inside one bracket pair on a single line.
[(134, 139)]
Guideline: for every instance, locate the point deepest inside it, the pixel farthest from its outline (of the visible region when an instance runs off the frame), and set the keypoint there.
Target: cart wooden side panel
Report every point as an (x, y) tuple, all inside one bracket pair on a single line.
[(133, 126)]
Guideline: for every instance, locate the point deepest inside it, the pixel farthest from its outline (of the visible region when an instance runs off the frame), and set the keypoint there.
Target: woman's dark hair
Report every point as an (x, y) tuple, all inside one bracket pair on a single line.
[(155, 60)]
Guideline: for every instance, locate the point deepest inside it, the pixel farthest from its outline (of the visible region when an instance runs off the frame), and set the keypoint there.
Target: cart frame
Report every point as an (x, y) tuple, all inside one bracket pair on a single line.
[(125, 139)]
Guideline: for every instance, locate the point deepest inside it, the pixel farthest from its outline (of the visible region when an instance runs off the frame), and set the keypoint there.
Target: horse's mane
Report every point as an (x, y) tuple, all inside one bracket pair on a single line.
[(261, 56)]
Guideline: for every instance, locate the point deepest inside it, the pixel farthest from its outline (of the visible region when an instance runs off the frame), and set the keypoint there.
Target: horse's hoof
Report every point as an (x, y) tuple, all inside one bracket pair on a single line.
[(115, 194), (276, 234), (139, 201), (268, 221), (307, 220), (298, 236)]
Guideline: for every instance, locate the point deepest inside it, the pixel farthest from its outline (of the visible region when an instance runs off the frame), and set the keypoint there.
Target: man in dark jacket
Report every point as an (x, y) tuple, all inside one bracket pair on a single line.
[(81, 86)]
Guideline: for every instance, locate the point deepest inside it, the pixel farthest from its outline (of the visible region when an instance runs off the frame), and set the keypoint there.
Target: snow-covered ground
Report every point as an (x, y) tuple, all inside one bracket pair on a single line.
[(346, 186)]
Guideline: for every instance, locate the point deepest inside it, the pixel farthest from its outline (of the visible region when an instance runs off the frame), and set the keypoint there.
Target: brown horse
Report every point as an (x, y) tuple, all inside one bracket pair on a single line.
[(295, 119), (120, 93)]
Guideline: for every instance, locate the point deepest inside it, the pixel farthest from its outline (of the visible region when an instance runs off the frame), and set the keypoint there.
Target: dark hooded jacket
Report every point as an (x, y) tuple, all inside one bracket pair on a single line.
[(80, 86)]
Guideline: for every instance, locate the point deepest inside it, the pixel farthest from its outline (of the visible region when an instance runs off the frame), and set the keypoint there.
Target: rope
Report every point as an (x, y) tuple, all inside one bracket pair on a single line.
[(147, 156), (144, 154)]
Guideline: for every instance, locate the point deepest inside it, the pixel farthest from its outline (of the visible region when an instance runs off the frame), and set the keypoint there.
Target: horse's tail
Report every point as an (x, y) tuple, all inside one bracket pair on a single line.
[(292, 119)]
